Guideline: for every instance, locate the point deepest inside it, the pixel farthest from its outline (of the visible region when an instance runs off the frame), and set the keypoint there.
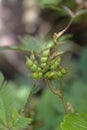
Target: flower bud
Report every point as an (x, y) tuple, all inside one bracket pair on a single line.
[(46, 53)]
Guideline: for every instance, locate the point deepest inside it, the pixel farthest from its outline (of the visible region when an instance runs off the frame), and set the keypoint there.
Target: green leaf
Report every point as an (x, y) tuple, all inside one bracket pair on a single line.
[(2, 127), (2, 112), (75, 121), (65, 37), (15, 48), (22, 122), (6, 101), (15, 115), (1, 78), (44, 2)]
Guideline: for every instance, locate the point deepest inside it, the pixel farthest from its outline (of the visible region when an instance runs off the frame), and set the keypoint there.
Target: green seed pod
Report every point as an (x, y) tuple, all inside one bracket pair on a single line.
[(37, 75), (29, 62), (44, 59), (47, 74), (43, 65), (46, 53), (39, 69), (55, 63), (53, 67), (50, 74), (63, 71), (32, 57), (59, 60), (59, 74), (34, 67)]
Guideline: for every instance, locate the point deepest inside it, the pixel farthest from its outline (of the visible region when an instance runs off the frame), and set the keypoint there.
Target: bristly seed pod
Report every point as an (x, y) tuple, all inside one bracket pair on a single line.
[(42, 65), (55, 63), (29, 62), (32, 57), (39, 69), (46, 53), (49, 74), (44, 59), (37, 75), (59, 74), (63, 71), (34, 67)]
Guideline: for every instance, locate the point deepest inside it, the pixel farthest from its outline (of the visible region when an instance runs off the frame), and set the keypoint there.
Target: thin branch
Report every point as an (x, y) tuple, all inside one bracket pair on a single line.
[(62, 96), (59, 93), (56, 92), (57, 35)]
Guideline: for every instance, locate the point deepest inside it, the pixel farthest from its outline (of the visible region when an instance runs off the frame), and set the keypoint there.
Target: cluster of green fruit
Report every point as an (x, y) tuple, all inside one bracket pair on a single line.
[(45, 67)]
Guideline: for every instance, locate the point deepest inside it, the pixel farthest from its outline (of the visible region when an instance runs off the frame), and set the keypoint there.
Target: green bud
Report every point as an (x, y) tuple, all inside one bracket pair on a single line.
[(43, 65), (53, 67), (50, 74), (46, 53), (39, 69), (29, 62), (47, 74), (59, 74), (55, 63), (44, 59), (37, 75), (63, 71), (32, 57), (34, 67)]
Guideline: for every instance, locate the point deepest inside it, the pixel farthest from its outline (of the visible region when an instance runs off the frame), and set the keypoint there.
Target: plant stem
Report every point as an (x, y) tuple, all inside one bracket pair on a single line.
[(62, 96), (59, 93), (56, 92)]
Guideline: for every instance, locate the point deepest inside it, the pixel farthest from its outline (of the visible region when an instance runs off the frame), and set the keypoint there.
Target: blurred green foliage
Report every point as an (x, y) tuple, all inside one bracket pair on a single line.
[(47, 108)]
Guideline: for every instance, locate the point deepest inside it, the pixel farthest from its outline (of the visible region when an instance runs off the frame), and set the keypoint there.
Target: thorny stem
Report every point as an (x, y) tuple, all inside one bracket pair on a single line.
[(59, 93)]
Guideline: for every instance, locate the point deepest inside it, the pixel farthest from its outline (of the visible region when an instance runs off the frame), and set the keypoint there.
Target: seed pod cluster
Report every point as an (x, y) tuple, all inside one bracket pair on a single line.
[(32, 64), (44, 58), (45, 68)]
